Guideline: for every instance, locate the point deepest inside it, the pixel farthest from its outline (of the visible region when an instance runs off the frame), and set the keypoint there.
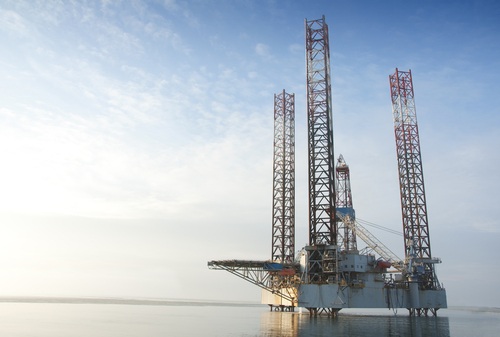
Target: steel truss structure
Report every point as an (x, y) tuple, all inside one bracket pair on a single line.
[(257, 272), (330, 274), (283, 228), (411, 177), (346, 233), (322, 257), (373, 243)]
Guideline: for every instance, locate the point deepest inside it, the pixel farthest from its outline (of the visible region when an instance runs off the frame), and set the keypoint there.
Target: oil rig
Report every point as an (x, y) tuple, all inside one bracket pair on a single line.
[(330, 273)]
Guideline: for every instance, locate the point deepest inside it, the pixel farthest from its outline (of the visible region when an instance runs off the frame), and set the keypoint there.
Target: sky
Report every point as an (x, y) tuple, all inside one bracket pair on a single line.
[(136, 138)]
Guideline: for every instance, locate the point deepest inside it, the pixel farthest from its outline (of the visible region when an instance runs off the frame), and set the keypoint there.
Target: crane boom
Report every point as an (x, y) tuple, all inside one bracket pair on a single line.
[(374, 243)]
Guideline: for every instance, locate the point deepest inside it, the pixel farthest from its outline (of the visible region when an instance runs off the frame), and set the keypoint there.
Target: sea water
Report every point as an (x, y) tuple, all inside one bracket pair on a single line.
[(108, 318)]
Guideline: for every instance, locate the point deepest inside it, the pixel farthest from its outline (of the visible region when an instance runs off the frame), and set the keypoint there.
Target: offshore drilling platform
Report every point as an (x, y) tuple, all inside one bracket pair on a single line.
[(330, 273)]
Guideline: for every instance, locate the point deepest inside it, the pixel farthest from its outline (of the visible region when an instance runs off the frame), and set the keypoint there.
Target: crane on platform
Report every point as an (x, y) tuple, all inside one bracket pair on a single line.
[(373, 243)]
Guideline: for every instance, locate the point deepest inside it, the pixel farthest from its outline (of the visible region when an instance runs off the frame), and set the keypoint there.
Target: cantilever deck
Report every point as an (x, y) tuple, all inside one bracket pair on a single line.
[(262, 274)]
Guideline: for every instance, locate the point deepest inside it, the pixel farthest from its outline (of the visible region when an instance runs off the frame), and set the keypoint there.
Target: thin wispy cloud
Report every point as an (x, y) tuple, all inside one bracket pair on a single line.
[(262, 50), (13, 22)]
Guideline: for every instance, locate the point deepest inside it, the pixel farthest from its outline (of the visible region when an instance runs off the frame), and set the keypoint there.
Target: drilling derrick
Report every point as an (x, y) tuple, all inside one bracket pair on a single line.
[(420, 264), (283, 245), (322, 250), (345, 212)]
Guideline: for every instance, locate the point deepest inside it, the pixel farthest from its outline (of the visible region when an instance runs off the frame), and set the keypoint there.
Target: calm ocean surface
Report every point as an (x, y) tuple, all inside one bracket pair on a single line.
[(108, 318)]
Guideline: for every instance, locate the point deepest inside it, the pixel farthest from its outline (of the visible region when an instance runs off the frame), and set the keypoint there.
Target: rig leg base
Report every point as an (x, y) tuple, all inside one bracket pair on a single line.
[(422, 311), (323, 311), (282, 308)]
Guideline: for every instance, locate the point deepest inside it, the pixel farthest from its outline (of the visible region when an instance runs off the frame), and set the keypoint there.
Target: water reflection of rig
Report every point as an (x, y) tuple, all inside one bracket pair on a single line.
[(330, 273), (360, 325)]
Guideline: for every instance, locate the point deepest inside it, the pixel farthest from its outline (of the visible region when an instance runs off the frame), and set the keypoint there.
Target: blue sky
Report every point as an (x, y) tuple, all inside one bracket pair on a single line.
[(136, 137)]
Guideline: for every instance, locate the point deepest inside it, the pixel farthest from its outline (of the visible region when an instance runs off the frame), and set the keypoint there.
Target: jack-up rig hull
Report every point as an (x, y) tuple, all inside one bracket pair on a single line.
[(284, 289), (333, 297), (330, 273)]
